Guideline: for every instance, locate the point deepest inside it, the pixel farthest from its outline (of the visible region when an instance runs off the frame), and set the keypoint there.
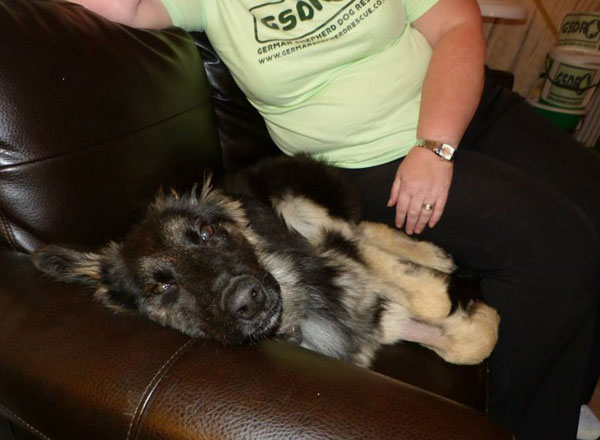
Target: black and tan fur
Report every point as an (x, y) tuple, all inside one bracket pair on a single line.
[(280, 250)]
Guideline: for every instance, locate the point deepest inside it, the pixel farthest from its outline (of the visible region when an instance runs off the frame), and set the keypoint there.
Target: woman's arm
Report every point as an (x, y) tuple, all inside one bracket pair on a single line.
[(454, 80), (149, 14), (451, 92)]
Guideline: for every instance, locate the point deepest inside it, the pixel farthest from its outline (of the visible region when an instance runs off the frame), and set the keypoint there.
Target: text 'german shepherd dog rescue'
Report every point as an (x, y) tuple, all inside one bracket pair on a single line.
[(280, 251)]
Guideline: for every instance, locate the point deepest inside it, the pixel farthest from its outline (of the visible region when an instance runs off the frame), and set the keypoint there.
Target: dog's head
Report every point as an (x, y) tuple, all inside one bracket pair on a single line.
[(191, 264)]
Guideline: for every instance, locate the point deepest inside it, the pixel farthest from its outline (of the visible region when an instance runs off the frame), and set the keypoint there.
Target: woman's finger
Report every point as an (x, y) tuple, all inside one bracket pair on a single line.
[(438, 209), (413, 213), (402, 208), (394, 192), (424, 216)]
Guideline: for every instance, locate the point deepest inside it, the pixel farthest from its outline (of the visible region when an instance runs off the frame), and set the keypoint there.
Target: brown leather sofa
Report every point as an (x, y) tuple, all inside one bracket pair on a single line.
[(94, 118)]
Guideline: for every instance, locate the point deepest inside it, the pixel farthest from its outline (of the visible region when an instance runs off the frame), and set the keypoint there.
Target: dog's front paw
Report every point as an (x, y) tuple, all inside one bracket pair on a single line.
[(435, 257)]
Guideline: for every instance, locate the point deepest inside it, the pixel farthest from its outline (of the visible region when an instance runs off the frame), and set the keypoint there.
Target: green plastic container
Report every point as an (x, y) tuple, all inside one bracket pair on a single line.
[(566, 119), (571, 78)]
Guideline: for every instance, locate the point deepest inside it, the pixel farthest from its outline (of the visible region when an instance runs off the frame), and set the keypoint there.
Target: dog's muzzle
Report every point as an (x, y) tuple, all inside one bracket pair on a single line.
[(243, 298), (255, 306)]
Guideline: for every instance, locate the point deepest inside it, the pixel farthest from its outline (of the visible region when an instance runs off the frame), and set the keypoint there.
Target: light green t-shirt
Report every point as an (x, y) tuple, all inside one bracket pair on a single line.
[(339, 79)]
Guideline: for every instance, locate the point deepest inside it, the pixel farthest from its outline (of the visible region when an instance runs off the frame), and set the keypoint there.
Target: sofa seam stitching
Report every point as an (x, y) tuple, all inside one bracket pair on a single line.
[(146, 396), (11, 414)]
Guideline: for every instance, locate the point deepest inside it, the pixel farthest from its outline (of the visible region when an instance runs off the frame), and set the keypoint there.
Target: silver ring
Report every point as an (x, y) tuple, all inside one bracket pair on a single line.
[(427, 206)]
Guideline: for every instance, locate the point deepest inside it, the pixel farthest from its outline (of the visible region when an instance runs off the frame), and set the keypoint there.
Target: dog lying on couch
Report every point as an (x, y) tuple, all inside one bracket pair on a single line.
[(279, 250)]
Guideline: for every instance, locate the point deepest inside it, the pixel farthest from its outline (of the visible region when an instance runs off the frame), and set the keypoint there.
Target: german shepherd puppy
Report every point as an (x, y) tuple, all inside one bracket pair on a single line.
[(280, 250)]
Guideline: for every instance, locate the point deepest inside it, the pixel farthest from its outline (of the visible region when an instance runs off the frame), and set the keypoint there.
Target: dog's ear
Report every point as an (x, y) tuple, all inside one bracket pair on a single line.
[(102, 271), (69, 265)]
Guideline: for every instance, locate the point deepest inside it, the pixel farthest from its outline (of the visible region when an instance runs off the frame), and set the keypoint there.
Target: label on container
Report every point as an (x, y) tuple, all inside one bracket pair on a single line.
[(580, 30), (570, 79)]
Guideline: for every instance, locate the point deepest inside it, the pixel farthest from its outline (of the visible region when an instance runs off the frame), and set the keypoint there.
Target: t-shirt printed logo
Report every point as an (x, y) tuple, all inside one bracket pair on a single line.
[(288, 20)]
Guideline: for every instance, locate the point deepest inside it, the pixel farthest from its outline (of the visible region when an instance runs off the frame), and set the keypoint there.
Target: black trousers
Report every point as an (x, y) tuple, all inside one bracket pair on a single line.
[(524, 212)]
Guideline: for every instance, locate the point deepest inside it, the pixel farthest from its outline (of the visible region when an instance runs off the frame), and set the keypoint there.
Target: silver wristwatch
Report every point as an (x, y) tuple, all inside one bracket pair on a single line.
[(445, 151)]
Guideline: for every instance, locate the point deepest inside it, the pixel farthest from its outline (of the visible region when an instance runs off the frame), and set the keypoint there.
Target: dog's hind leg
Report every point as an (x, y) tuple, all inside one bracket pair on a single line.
[(468, 336), (402, 246), (421, 290)]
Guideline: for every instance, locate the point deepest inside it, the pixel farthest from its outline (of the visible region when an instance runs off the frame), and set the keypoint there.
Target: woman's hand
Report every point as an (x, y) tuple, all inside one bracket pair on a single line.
[(422, 179)]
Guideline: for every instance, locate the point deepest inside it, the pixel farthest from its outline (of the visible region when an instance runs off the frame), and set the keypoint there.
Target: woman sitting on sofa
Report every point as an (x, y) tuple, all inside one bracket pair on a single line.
[(392, 92)]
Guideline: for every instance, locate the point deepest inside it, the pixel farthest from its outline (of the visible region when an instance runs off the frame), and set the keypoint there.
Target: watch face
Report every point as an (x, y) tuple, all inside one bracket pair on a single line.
[(446, 151)]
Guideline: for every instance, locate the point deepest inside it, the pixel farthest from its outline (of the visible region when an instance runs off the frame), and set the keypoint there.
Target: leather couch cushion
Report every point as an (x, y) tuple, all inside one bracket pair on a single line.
[(93, 118)]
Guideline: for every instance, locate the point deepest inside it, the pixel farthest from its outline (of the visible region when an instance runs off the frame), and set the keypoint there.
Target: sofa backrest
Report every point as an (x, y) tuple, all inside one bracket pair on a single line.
[(242, 131), (94, 118)]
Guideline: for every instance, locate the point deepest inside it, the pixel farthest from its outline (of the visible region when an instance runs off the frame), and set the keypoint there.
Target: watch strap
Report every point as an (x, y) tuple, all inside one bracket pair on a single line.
[(444, 151)]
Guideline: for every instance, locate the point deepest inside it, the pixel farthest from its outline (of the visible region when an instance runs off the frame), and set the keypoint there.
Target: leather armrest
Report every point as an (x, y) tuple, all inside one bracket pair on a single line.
[(70, 369)]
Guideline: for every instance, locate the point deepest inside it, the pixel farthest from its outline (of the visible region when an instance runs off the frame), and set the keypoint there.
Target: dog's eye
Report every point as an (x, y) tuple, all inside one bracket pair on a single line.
[(162, 288), (206, 232)]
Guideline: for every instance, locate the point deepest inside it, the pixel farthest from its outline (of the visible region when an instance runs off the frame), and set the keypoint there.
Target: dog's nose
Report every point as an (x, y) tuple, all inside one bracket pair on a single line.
[(244, 298)]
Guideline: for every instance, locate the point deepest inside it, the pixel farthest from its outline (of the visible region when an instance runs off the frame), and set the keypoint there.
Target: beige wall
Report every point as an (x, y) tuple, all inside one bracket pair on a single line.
[(521, 48)]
